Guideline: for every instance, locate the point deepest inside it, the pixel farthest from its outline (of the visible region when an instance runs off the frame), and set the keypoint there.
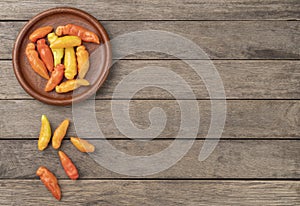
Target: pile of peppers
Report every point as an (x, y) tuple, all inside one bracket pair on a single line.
[(46, 176), (65, 57)]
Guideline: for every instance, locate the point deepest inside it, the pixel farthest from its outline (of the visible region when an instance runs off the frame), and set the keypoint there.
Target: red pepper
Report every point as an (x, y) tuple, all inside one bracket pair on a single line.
[(56, 77), (68, 166), (45, 54)]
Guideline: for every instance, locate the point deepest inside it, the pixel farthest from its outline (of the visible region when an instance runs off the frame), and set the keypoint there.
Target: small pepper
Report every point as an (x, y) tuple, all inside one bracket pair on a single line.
[(65, 42), (56, 77), (45, 133), (83, 61), (59, 134), (57, 53), (70, 63), (82, 145), (71, 85), (50, 181), (75, 30), (40, 33), (36, 63), (45, 54), (68, 166)]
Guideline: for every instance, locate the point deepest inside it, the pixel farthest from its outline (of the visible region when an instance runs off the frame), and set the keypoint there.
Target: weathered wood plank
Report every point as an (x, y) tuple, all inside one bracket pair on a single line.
[(245, 119), (182, 192), (230, 159), (219, 39), (242, 80), (157, 10)]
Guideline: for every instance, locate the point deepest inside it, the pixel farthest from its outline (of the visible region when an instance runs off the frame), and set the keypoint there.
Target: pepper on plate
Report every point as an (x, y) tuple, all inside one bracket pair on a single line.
[(75, 30), (71, 85), (45, 54), (36, 63), (57, 53), (56, 77)]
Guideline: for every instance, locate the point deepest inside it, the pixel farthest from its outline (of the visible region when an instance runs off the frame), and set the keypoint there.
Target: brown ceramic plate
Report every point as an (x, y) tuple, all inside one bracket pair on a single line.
[(100, 56)]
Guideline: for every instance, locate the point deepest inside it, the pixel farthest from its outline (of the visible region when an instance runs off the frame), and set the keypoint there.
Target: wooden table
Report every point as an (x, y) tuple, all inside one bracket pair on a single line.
[(255, 48)]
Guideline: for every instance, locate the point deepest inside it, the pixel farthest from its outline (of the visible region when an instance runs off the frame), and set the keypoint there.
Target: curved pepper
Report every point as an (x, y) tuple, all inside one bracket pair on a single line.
[(40, 33), (45, 54), (35, 62), (56, 77), (57, 53), (49, 181), (59, 134), (68, 166), (70, 63), (82, 145), (71, 85), (45, 133), (83, 61), (65, 42), (75, 30)]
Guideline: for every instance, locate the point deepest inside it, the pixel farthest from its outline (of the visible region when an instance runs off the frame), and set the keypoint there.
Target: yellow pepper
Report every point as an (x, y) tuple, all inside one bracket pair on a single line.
[(83, 61), (60, 133), (82, 145), (65, 42), (70, 63), (71, 85), (45, 133), (57, 53)]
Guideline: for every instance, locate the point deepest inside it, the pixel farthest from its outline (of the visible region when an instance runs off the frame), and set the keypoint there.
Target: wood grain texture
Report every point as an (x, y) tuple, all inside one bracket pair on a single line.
[(245, 119), (183, 192), (219, 39), (157, 10), (242, 80), (230, 159), (223, 30)]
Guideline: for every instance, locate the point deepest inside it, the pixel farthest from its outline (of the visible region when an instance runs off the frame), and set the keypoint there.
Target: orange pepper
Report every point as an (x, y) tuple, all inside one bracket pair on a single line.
[(35, 62), (60, 133), (82, 61), (40, 33), (68, 166), (82, 145), (45, 54), (49, 181), (56, 77), (75, 30), (71, 85)]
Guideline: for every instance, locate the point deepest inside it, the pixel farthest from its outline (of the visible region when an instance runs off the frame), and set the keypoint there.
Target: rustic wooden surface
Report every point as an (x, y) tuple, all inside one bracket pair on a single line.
[(219, 39), (153, 192), (255, 47), (245, 118), (231, 159), (242, 79), (168, 10)]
